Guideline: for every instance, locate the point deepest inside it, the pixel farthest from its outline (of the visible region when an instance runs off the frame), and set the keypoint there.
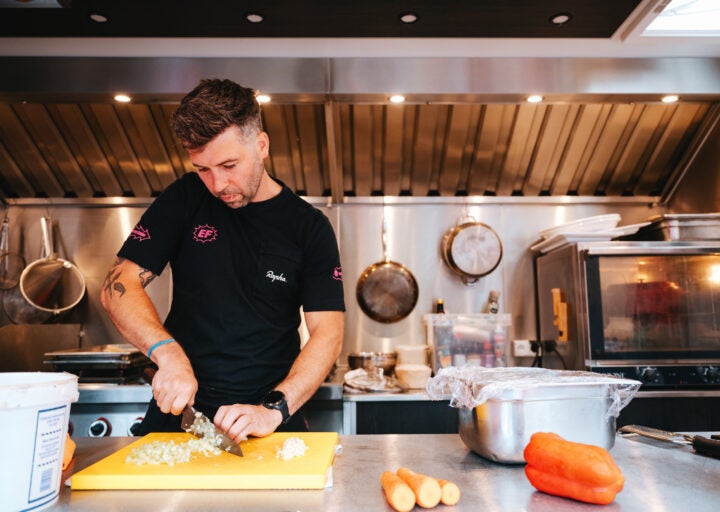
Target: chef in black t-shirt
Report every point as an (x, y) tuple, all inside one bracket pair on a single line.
[(246, 254)]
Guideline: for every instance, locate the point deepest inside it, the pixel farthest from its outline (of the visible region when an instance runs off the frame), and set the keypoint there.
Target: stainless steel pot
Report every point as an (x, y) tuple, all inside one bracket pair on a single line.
[(371, 360), (472, 250)]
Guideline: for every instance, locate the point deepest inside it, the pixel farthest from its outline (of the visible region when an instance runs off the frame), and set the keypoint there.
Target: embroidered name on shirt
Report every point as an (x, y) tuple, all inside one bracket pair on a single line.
[(273, 277), (205, 233), (139, 233)]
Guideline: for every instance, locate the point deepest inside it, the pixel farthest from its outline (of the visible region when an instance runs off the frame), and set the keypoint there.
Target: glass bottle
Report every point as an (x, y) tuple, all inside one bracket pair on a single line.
[(443, 336)]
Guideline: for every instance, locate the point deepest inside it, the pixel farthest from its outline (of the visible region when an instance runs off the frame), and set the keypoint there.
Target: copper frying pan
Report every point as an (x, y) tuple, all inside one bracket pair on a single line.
[(386, 291)]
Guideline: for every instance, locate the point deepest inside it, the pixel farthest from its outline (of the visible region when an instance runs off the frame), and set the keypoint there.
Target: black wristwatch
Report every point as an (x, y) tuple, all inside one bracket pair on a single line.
[(275, 399)]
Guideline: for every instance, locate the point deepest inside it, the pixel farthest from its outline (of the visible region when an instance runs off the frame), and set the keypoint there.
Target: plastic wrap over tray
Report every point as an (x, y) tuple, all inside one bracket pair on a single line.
[(470, 386)]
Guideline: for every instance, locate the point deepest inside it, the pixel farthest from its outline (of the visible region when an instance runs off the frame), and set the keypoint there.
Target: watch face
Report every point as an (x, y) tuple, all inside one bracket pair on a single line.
[(275, 398)]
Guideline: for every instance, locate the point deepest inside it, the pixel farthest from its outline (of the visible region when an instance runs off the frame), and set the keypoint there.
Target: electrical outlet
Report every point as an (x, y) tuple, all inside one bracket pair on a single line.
[(563, 348), (521, 348)]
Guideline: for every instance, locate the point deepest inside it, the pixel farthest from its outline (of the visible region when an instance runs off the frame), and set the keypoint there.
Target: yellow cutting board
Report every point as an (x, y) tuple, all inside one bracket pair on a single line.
[(258, 469)]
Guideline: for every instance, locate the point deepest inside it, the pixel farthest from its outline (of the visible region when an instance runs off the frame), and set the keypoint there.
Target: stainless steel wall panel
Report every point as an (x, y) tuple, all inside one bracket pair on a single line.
[(91, 235)]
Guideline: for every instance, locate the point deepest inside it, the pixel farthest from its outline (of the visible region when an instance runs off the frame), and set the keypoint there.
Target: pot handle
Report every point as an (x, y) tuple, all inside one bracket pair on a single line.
[(46, 226), (384, 238), (469, 281)]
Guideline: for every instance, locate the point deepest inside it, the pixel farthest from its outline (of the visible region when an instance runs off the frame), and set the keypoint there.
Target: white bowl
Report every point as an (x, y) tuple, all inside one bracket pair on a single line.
[(414, 376), (412, 354)]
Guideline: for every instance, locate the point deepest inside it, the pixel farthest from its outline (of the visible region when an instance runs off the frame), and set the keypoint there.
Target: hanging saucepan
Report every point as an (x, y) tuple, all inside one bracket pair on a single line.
[(472, 250), (386, 291), (51, 284), (11, 263)]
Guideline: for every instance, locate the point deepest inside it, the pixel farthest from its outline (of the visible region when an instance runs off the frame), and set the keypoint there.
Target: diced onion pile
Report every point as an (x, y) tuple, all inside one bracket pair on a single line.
[(170, 452), (292, 447)]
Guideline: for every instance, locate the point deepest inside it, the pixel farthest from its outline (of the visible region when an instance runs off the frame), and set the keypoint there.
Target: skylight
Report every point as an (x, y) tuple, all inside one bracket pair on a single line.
[(687, 18)]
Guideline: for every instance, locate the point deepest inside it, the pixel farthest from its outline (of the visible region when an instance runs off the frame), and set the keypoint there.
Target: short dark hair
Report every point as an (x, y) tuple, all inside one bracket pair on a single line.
[(213, 106)]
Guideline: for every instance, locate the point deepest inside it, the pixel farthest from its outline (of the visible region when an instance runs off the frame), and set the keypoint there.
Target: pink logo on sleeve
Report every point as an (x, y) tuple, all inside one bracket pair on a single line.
[(205, 233), (139, 233), (337, 274)]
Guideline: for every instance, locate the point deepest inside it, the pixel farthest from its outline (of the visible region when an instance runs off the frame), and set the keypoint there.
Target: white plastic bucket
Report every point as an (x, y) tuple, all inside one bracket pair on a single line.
[(34, 415)]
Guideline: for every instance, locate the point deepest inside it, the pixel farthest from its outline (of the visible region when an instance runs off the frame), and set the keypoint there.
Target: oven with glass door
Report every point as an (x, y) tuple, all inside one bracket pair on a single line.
[(645, 310)]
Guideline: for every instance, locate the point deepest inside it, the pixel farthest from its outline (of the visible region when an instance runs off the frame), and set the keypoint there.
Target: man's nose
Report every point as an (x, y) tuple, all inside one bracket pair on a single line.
[(219, 180)]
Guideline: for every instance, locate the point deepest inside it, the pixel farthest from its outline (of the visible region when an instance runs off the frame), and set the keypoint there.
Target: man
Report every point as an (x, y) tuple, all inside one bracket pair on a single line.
[(246, 253)]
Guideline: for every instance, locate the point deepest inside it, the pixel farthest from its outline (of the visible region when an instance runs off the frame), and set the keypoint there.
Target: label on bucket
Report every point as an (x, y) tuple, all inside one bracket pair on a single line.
[(47, 455)]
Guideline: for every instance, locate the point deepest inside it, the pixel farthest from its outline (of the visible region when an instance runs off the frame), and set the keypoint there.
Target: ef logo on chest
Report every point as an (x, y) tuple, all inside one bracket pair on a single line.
[(205, 233)]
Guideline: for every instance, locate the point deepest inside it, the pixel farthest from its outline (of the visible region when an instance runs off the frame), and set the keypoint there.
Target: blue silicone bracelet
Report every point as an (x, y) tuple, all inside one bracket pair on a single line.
[(158, 344)]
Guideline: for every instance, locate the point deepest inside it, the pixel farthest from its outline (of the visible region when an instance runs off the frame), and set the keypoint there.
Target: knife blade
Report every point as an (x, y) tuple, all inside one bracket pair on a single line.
[(199, 425), (710, 447)]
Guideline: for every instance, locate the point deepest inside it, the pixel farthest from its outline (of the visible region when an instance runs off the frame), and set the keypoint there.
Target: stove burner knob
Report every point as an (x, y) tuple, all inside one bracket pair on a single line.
[(651, 375), (132, 430), (100, 428), (710, 375)]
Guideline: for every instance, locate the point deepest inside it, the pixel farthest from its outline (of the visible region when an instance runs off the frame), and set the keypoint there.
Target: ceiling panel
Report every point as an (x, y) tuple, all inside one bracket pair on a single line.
[(315, 18)]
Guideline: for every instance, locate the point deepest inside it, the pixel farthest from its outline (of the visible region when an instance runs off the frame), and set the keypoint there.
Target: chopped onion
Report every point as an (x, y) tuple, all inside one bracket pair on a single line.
[(292, 447)]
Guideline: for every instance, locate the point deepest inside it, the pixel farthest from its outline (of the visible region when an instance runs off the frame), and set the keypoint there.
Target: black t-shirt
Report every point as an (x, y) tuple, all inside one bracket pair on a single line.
[(239, 279)]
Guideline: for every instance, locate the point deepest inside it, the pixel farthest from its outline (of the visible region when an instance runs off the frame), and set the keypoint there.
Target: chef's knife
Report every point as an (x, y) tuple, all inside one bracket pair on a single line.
[(197, 424), (701, 444)]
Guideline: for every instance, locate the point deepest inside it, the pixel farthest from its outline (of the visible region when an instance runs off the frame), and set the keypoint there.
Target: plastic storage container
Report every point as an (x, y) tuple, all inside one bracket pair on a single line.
[(459, 339), (34, 415)]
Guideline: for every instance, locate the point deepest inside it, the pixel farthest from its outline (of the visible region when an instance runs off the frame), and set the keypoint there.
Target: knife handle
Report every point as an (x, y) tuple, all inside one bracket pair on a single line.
[(707, 446)]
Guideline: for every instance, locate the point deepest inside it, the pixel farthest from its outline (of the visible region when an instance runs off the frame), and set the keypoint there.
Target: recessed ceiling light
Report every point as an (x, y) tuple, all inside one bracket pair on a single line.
[(254, 17), (98, 18), (670, 98), (397, 98), (263, 98), (122, 98), (408, 17), (560, 18), (535, 98)]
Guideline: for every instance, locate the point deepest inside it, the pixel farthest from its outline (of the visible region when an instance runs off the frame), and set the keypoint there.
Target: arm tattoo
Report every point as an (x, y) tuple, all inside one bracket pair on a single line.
[(146, 277), (113, 285)]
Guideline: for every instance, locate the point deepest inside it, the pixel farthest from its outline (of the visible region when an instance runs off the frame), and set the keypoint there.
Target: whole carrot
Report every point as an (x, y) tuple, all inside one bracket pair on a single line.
[(426, 488), (397, 492)]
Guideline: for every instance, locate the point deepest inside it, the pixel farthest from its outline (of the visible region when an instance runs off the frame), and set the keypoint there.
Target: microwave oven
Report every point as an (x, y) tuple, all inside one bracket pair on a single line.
[(644, 310)]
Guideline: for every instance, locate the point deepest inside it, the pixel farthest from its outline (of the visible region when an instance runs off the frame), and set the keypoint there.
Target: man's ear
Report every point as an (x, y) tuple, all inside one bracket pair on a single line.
[(263, 144)]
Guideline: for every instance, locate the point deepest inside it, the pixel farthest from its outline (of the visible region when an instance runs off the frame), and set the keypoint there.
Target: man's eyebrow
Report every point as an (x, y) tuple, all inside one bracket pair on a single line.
[(229, 160)]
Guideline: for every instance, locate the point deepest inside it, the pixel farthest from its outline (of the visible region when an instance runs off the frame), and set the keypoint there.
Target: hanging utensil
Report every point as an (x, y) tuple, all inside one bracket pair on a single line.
[(51, 284), (710, 447), (19, 310), (472, 250), (11, 264), (386, 291)]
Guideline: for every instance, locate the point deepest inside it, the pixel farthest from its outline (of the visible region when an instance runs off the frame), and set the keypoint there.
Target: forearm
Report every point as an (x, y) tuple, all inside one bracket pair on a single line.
[(133, 313), (316, 358), (124, 298)]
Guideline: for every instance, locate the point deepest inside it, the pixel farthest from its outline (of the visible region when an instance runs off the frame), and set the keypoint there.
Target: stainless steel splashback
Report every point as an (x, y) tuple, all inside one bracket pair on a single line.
[(90, 236)]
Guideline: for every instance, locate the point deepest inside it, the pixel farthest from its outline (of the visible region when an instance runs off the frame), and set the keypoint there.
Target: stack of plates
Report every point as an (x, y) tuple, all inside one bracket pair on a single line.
[(599, 228)]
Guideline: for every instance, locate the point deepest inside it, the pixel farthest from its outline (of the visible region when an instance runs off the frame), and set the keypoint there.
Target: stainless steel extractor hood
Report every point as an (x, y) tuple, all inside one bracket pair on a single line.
[(465, 129)]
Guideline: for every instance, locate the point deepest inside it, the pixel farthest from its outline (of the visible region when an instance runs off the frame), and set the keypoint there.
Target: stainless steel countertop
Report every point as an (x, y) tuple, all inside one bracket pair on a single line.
[(658, 477)]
